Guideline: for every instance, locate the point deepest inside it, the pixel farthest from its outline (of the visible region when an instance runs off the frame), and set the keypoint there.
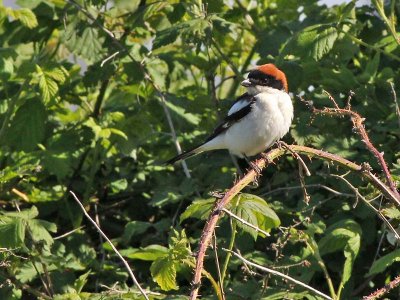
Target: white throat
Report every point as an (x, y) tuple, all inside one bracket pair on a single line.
[(257, 89)]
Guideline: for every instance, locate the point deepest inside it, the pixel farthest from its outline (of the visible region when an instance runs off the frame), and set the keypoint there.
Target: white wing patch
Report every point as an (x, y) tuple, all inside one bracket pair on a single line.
[(238, 106)]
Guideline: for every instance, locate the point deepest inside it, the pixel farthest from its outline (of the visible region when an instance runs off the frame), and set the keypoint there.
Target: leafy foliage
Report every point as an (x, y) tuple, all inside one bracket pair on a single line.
[(85, 87)]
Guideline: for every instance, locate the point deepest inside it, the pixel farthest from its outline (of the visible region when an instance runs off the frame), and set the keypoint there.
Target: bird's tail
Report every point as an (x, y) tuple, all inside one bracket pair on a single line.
[(192, 152)]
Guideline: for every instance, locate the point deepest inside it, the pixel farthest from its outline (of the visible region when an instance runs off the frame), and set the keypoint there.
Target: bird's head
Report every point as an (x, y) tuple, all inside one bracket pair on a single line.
[(264, 78)]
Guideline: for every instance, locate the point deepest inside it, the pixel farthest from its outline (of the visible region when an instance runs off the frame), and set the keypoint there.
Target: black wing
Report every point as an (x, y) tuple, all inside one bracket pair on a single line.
[(233, 118)]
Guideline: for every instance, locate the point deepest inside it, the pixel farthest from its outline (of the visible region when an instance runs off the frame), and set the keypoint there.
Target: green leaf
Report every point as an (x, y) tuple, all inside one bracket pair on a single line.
[(48, 87), (57, 74), (163, 272), (189, 117), (81, 281), (199, 209), (58, 164), (312, 42), (25, 16), (149, 253), (254, 210), (39, 230), (27, 128), (346, 235), (12, 232), (134, 228), (338, 235), (158, 70), (391, 212), (384, 262)]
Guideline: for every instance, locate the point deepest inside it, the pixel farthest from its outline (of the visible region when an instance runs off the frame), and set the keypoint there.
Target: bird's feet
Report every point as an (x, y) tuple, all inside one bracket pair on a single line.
[(267, 158), (255, 167), (217, 195)]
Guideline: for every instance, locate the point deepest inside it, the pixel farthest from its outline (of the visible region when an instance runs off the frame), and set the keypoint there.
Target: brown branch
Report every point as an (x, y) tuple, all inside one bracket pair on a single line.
[(358, 125), (382, 291), (268, 157)]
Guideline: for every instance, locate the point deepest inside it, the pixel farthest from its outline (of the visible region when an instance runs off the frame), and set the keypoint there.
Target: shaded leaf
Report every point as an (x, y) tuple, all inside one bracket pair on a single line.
[(27, 128)]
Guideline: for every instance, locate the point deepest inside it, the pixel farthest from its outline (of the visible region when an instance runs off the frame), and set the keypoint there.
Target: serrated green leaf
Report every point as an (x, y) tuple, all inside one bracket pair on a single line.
[(384, 262), (25, 16), (56, 74), (254, 210), (312, 42), (391, 212), (48, 87), (199, 209), (27, 128), (163, 272), (169, 35)]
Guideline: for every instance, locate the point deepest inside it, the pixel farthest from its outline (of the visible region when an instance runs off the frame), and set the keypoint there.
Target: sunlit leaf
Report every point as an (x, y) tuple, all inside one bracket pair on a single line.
[(163, 272)]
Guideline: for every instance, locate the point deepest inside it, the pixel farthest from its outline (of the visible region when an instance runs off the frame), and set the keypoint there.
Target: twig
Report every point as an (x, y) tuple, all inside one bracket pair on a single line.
[(337, 193), (143, 292), (108, 58), (280, 275), (68, 233), (396, 103), (41, 278), (377, 49), (377, 211), (220, 283), (251, 175), (20, 194), (382, 291), (245, 222)]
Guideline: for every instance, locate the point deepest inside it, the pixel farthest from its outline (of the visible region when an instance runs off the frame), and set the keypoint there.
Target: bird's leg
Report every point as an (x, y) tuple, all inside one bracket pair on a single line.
[(235, 163), (256, 168)]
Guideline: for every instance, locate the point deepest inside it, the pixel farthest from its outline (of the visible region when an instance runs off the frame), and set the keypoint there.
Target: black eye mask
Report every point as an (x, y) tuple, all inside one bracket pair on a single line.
[(257, 77)]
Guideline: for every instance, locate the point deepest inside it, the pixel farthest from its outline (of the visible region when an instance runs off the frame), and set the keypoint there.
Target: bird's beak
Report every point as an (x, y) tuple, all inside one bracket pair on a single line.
[(246, 83)]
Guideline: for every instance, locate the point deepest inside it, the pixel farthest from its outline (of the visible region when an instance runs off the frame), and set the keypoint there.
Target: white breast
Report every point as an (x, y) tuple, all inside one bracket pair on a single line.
[(268, 121)]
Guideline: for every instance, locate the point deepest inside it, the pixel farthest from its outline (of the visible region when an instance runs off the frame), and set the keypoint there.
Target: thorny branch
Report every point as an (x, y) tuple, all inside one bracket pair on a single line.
[(382, 291), (358, 125)]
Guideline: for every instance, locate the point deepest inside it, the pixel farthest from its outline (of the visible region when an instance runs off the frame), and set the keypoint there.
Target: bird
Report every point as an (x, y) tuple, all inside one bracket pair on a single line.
[(257, 119)]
